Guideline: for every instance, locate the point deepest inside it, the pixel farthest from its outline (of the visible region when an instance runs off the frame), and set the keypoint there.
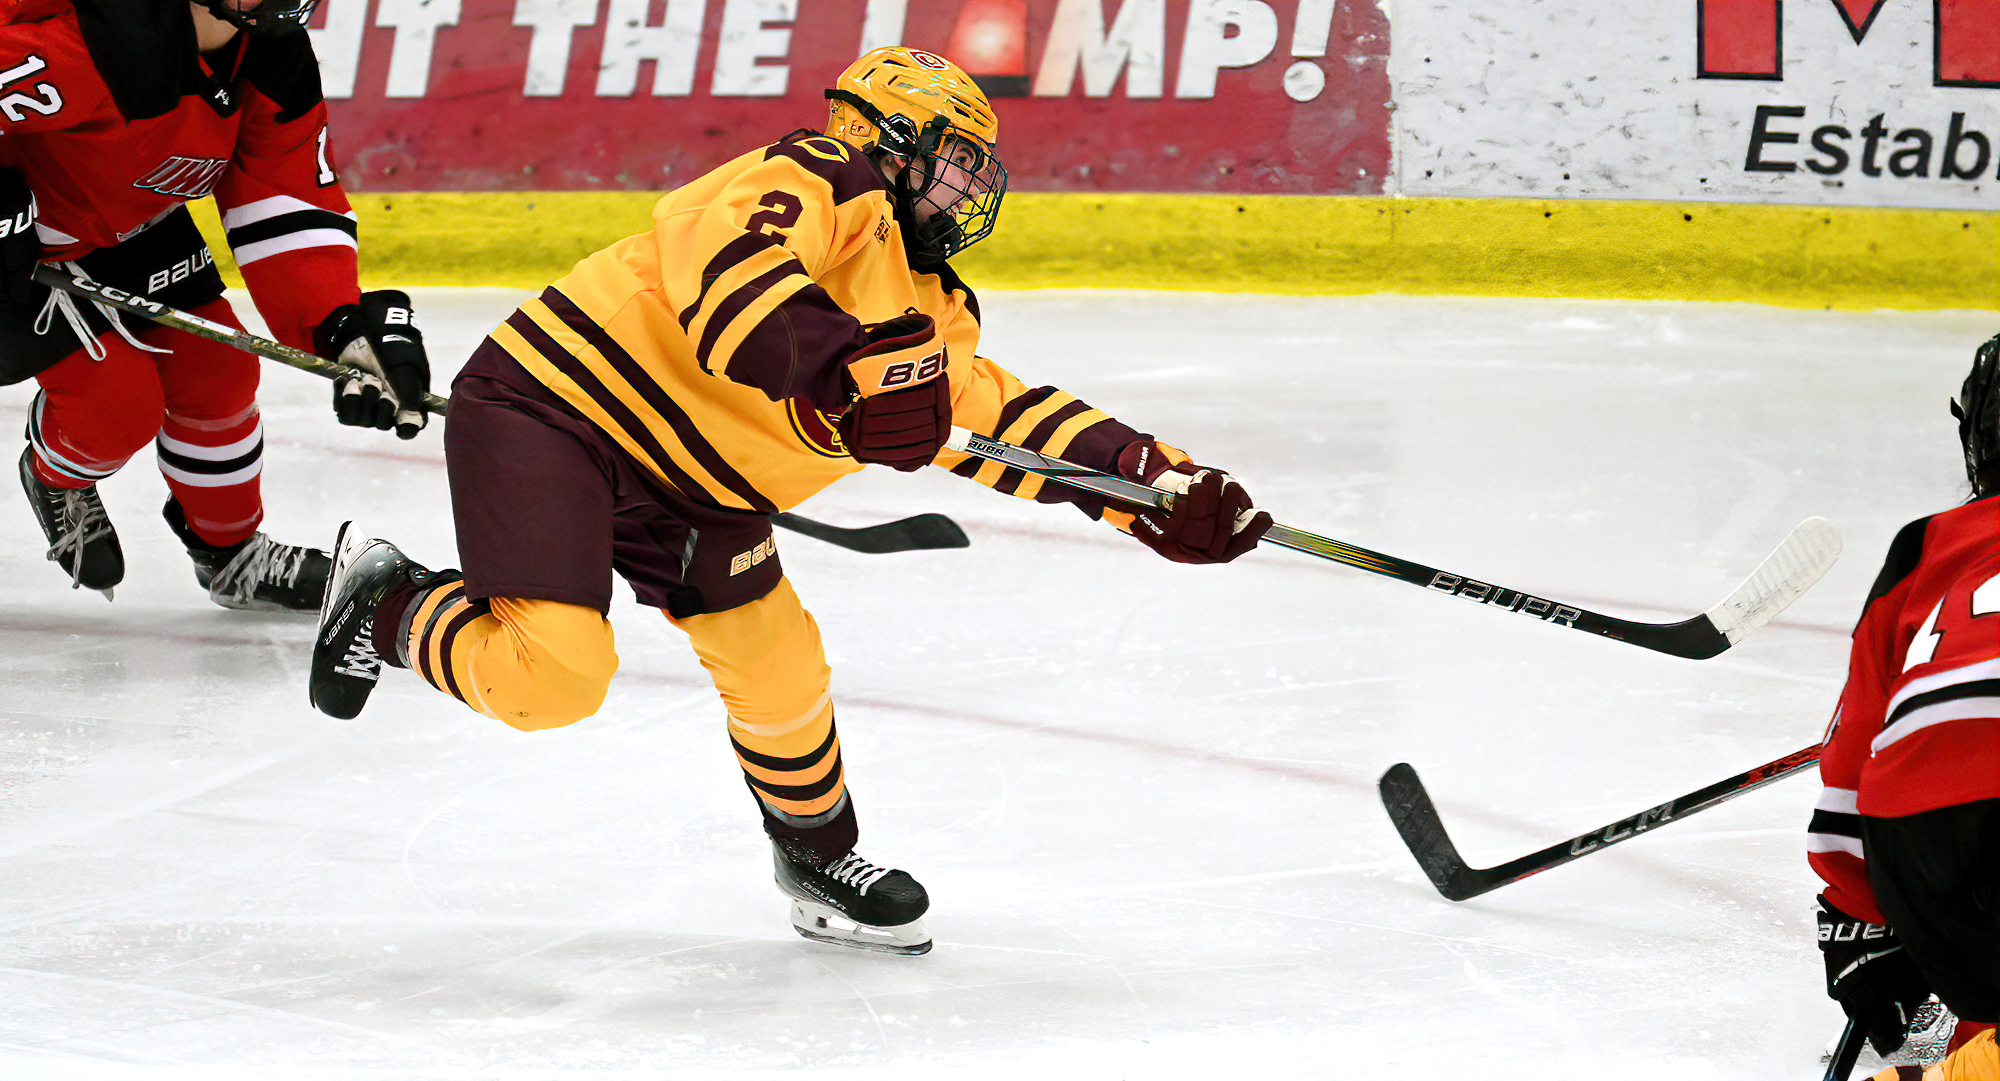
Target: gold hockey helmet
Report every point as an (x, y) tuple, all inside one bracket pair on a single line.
[(921, 107)]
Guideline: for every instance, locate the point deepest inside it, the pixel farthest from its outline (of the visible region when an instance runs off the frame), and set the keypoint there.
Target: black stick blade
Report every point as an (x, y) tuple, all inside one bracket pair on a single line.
[(924, 532), (1416, 819), (933, 531)]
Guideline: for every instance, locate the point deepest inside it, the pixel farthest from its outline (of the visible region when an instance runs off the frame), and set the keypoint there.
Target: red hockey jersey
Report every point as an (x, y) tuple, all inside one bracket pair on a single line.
[(1918, 726), (116, 121)]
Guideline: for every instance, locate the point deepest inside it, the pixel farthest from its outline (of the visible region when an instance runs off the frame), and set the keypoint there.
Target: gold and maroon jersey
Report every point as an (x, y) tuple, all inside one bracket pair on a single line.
[(711, 348)]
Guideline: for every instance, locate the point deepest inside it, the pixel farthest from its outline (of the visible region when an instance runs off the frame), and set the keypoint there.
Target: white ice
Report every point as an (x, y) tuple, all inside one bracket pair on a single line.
[(1141, 794)]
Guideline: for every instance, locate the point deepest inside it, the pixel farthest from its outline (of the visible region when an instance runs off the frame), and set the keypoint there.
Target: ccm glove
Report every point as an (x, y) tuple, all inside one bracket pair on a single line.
[(20, 248), (1870, 974), (380, 337), (1213, 520), (902, 416)]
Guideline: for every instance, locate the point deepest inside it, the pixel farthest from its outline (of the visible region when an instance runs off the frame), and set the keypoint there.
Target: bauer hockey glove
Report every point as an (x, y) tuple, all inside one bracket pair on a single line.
[(1870, 974), (1213, 520), (20, 247), (380, 337), (902, 416)]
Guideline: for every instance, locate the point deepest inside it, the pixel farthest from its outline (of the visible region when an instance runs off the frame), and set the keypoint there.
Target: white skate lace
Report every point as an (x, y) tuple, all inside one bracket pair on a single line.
[(262, 560), (60, 301), (361, 661), (852, 870), (80, 521)]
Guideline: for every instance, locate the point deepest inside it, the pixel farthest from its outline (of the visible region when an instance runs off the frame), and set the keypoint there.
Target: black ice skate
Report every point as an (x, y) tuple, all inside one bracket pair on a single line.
[(81, 540), (345, 665), (851, 902), (255, 575)]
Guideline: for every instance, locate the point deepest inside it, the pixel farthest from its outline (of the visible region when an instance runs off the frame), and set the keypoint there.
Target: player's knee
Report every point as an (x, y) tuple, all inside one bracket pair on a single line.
[(562, 659), (551, 702), (765, 658)]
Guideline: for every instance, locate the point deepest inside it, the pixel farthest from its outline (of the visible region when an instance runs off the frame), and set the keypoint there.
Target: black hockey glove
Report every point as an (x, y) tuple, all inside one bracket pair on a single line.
[(380, 337), (1870, 974), (20, 248)]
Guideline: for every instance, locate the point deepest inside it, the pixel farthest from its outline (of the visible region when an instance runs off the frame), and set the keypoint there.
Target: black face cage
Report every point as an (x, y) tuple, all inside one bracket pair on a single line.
[(272, 17), (961, 180), (1978, 413)]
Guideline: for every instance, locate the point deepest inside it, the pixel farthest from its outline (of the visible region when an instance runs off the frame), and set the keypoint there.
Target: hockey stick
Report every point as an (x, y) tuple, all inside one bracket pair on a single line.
[(1788, 571), (1416, 819), (925, 531), (190, 323), (1847, 1052)]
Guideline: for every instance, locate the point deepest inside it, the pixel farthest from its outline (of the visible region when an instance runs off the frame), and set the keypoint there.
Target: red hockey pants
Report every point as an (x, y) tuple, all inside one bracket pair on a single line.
[(198, 404)]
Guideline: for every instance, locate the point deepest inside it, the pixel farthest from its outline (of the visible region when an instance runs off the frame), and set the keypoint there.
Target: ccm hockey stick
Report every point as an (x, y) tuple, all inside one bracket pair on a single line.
[(1416, 818), (924, 531), (1787, 572), (190, 323)]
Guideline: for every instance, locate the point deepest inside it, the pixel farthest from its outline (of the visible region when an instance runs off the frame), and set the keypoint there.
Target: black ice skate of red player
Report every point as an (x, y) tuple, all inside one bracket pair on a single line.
[(116, 114), (1906, 827)]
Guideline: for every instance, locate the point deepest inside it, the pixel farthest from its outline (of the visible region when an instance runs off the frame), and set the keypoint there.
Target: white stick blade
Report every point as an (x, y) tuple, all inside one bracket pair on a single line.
[(1782, 578)]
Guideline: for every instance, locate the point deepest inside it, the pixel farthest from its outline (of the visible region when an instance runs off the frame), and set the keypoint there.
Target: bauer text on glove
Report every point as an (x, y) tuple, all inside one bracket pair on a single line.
[(901, 416), (1213, 520), (380, 337), (1870, 974)]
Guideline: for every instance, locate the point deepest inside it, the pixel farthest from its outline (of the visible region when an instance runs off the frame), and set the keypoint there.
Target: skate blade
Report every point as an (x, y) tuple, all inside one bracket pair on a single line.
[(823, 924)]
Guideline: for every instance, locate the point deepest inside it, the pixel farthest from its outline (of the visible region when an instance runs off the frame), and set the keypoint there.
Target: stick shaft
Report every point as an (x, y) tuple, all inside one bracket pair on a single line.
[(1416, 820), (1847, 1052), (1701, 799), (1695, 638), (190, 323)]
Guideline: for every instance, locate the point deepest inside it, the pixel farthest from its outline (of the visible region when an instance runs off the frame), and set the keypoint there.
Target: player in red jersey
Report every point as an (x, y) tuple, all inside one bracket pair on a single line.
[(113, 115), (1907, 829)]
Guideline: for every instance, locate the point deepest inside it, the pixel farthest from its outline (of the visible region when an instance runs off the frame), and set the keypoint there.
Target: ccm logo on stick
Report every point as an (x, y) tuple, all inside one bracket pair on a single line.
[(913, 371), (1618, 831)]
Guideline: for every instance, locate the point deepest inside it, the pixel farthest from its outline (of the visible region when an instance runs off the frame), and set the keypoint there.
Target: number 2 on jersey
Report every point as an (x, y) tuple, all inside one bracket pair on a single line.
[(777, 209)]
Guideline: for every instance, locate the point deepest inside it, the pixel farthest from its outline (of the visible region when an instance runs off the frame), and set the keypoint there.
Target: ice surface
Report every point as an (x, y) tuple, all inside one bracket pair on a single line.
[(1140, 793)]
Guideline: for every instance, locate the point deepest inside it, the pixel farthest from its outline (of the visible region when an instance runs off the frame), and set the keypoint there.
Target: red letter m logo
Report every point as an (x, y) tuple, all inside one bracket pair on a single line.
[(1745, 39)]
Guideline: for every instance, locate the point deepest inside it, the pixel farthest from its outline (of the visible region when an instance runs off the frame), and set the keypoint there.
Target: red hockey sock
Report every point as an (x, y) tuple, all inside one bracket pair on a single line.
[(211, 444)]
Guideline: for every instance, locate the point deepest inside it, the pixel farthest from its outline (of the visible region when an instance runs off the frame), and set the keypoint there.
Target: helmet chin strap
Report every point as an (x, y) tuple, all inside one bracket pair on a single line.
[(271, 18), (928, 243)]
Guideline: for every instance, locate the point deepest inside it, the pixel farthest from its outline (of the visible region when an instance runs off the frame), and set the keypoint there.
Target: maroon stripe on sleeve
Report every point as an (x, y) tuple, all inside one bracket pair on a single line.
[(449, 637), (798, 350), (1012, 411), (1039, 437), (1046, 430), (1098, 446), (626, 420), (729, 307), (684, 427), (732, 253)]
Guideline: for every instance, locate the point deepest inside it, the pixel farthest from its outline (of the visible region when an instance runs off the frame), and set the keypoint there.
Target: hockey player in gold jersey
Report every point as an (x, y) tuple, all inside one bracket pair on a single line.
[(789, 318)]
